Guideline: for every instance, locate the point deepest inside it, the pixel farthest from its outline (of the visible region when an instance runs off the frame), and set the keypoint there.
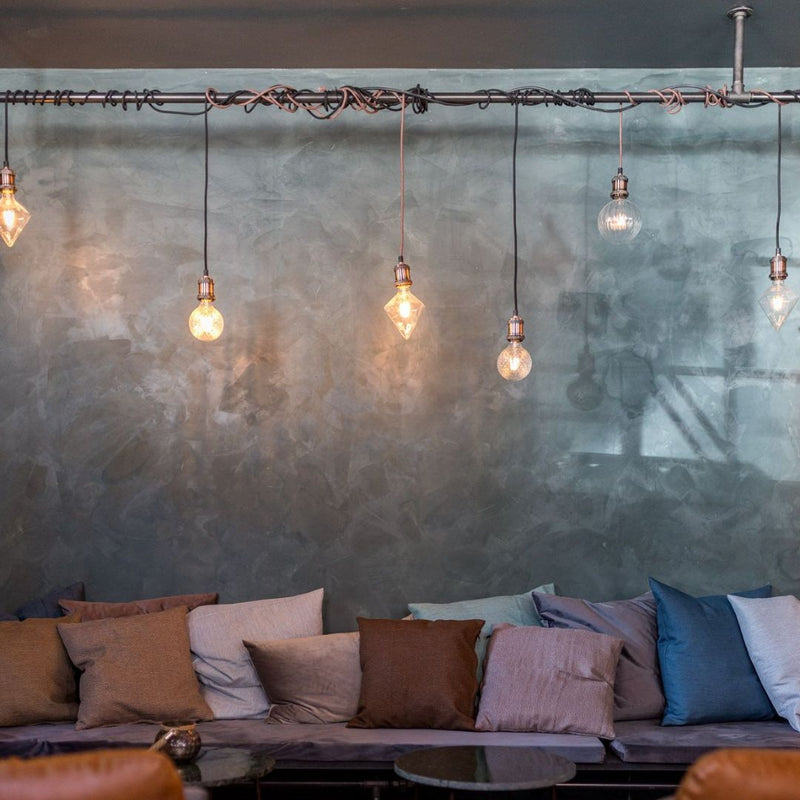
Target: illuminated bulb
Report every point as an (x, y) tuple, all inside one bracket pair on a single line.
[(514, 362), (778, 300), (404, 309), (619, 220), (206, 322), (13, 216)]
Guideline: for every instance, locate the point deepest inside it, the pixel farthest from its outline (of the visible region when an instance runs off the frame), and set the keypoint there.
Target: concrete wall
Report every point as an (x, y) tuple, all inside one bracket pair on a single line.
[(311, 446)]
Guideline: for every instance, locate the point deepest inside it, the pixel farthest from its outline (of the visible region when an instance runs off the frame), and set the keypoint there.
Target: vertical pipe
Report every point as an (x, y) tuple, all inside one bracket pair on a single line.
[(738, 15)]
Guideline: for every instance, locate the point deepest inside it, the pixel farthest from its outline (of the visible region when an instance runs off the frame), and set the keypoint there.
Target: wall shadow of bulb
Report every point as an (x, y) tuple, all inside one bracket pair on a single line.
[(585, 393)]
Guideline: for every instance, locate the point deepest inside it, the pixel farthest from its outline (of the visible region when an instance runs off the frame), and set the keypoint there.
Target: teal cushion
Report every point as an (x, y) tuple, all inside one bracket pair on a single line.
[(515, 609), (705, 669)]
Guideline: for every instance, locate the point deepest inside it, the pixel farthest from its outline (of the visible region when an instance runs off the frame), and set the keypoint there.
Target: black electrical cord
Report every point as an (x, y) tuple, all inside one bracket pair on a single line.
[(778, 219), (514, 201)]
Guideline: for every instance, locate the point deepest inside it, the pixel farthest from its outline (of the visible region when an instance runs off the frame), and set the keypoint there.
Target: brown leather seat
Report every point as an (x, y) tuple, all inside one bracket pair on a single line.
[(743, 774), (124, 774)]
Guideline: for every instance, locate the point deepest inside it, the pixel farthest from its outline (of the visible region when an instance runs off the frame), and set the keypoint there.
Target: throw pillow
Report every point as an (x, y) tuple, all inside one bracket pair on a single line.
[(94, 610), (705, 670), (228, 679), (37, 680), (637, 687), (771, 631), (417, 673), (47, 604), (311, 679), (134, 669), (516, 609), (550, 681)]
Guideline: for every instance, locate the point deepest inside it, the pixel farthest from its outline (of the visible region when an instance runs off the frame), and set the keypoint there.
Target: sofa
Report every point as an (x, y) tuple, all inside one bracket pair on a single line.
[(633, 691)]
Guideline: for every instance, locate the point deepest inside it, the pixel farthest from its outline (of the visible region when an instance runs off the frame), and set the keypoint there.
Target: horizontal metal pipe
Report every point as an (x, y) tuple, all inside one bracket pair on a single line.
[(580, 97)]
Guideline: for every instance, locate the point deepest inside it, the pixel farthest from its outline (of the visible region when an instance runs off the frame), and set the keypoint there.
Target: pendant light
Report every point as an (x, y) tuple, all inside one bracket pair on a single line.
[(514, 362), (619, 220), (778, 301), (206, 322), (404, 309), (13, 216)]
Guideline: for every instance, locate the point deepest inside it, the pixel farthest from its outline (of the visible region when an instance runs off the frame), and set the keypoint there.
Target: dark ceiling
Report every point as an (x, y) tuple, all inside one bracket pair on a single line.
[(409, 34)]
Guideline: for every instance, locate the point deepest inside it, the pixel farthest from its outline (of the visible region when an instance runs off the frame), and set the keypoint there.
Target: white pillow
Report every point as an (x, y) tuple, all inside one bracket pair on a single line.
[(227, 677), (771, 630)]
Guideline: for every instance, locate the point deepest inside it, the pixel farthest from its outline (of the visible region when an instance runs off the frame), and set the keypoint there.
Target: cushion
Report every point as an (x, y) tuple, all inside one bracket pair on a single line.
[(770, 627), (47, 604), (135, 669), (516, 609), (37, 680), (637, 686), (89, 611), (551, 681), (705, 670), (417, 673), (228, 679), (310, 679)]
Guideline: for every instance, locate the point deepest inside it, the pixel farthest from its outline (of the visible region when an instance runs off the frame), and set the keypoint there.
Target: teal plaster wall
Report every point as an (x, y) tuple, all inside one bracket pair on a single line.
[(311, 446)]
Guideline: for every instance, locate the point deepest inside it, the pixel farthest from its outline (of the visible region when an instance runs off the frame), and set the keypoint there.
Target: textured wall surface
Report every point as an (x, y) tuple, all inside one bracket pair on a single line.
[(311, 446)]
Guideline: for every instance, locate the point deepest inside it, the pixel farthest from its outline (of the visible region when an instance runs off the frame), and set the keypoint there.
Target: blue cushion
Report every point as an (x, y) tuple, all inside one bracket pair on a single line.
[(705, 670), (47, 605)]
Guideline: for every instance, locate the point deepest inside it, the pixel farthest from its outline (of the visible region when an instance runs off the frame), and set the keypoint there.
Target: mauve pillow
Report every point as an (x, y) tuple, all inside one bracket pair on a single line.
[(310, 679), (549, 681), (705, 669), (135, 669), (417, 673), (637, 687), (37, 680), (95, 610), (228, 679)]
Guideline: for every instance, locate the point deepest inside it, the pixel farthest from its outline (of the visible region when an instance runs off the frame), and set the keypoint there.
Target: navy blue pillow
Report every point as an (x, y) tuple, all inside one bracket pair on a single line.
[(47, 605), (705, 670)]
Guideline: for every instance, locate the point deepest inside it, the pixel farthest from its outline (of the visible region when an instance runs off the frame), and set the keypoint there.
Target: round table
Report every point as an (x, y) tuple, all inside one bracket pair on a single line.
[(485, 769)]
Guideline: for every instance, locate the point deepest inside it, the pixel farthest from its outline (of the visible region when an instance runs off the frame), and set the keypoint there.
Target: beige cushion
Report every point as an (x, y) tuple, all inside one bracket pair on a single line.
[(135, 669), (37, 680), (311, 679), (417, 673), (549, 681), (92, 610), (229, 681)]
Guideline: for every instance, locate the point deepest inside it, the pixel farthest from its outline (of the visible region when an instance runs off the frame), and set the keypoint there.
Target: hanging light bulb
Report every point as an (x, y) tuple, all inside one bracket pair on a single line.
[(514, 362), (13, 215), (206, 322), (405, 308), (619, 220), (778, 300)]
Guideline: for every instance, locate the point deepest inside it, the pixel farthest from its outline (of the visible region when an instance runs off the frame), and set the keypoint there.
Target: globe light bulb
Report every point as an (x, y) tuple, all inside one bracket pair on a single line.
[(206, 322), (514, 362), (619, 220), (13, 215), (404, 309), (778, 300)]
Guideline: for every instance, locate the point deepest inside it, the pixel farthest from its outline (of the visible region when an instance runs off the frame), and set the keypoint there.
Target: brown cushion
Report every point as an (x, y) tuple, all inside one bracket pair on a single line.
[(37, 680), (310, 679), (743, 774), (549, 681), (135, 669), (89, 611), (417, 673), (123, 774)]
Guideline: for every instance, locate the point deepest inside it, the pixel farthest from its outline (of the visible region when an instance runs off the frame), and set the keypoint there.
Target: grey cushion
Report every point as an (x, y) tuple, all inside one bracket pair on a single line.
[(647, 741), (637, 688), (296, 745)]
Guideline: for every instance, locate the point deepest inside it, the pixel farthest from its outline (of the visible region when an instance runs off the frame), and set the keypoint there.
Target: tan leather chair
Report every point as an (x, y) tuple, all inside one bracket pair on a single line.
[(124, 774), (743, 774)]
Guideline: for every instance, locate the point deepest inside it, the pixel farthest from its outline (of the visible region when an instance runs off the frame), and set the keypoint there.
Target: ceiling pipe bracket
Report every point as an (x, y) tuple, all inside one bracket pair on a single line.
[(739, 14)]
